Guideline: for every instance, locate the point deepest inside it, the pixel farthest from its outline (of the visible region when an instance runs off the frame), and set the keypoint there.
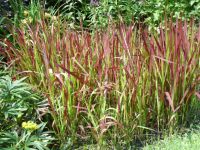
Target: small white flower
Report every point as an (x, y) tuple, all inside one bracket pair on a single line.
[(50, 71)]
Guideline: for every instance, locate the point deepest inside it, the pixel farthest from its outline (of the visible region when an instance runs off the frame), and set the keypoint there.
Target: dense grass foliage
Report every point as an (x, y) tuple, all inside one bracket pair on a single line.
[(114, 85), (111, 72), (187, 141)]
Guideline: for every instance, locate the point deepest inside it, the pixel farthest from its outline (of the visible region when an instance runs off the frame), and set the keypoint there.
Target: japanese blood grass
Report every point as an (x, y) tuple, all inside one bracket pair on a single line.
[(115, 84)]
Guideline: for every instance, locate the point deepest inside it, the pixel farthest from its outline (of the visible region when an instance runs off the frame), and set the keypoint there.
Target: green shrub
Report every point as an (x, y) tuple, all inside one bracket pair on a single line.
[(151, 12)]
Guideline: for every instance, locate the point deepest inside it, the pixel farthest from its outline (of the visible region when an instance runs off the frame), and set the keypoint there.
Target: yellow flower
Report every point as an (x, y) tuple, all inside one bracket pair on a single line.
[(47, 15), (30, 19), (26, 13), (24, 21), (31, 126)]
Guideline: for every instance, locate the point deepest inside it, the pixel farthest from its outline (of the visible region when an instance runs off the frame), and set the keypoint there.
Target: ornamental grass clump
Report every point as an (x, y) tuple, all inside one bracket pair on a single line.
[(111, 85)]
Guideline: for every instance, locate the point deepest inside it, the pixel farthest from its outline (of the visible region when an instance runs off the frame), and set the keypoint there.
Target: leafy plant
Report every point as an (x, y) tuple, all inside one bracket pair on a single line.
[(18, 102), (151, 12), (24, 139)]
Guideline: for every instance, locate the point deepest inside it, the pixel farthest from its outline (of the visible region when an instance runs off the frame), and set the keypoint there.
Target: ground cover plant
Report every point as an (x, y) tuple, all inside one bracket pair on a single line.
[(187, 141), (111, 87)]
